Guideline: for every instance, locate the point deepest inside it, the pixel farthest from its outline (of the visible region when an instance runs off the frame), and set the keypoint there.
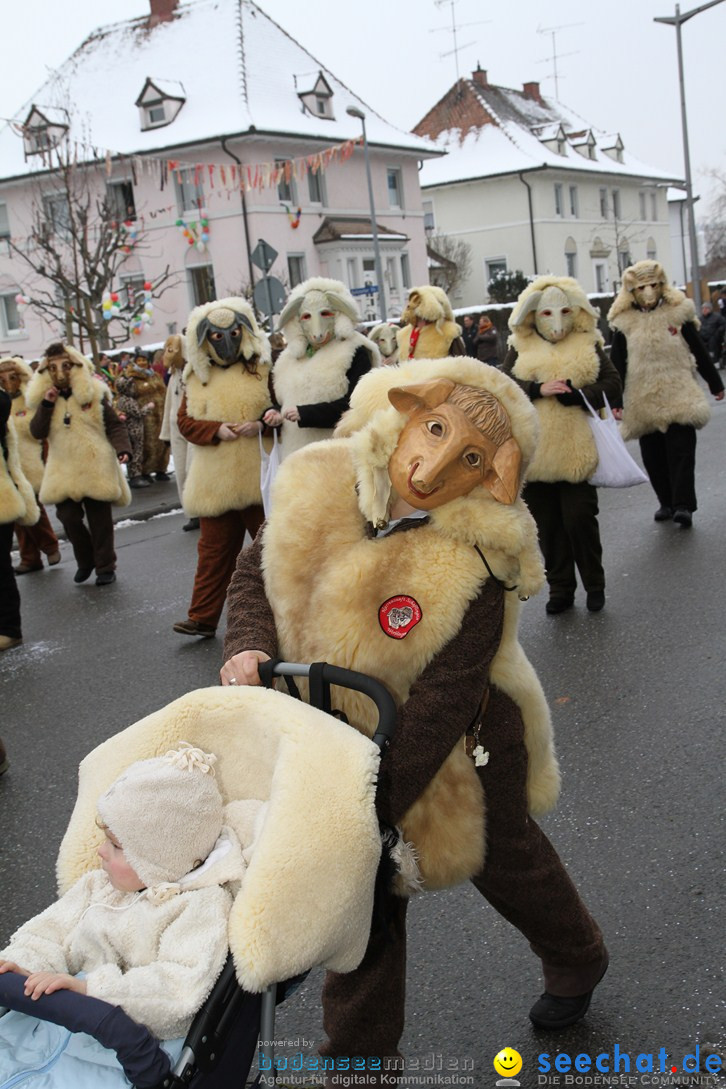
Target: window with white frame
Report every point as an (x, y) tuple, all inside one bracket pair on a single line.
[(571, 257), (392, 274), (202, 281), (650, 250), (395, 187), (429, 217), (316, 187), (405, 271), (653, 205), (574, 202), (641, 202), (352, 272), (4, 229), (617, 209), (120, 198), (495, 266), (296, 268), (10, 322), (189, 189), (600, 268), (559, 208), (286, 189), (604, 210), (57, 214)]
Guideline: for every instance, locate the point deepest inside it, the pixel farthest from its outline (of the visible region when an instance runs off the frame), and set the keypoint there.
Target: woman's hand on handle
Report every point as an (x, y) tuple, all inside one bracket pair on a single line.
[(243, 668)]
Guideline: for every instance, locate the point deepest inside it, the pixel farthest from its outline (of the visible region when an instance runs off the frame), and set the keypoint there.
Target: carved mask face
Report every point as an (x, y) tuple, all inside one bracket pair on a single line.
[(386, 341), (317, 319), (441, 454), (554, 317), (10, 381), (648, 295), (173, 358), (59, 368), (227, 335)]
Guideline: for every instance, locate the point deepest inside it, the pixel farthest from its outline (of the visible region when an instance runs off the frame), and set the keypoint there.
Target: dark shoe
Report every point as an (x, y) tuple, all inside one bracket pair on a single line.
[(552, 1012), (663, 514), (193, 523), (162, 476), (596, 600), (138, 482), (83, 574), (54, 558), (193, 627), (558, 605), (105, 578), (683, 517), (26, 568), (147, 477), (8, 641)]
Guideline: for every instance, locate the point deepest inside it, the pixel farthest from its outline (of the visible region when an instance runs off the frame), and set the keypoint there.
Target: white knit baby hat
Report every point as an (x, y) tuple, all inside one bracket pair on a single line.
[(165, 812)]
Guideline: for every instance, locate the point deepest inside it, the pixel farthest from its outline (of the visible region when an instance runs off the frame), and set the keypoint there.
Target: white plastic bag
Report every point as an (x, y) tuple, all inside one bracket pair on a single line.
[(269, 464), (615, 467)]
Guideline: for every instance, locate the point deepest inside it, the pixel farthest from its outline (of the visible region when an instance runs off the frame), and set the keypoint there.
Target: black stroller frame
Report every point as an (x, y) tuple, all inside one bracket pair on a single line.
[(220, 1046)]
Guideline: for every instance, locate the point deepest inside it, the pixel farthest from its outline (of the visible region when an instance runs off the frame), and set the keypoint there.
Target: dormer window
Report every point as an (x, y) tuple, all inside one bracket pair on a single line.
[(613, 147), (583, 143), (317, 101), (43, 129), (552, 136), (159, 102)]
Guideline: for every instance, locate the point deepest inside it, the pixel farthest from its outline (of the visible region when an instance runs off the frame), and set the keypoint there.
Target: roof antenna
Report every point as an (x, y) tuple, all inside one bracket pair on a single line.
[(454, 28), (555, 56)]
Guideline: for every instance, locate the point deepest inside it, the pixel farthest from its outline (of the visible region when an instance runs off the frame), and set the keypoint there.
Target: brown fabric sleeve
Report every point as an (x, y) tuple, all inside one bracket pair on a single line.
[(40, 423), (116, 431), (250, 623), (200, 432), (441, 706)]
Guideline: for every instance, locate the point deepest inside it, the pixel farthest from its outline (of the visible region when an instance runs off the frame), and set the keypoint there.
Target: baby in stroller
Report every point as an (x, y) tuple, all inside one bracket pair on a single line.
[(148, 931)]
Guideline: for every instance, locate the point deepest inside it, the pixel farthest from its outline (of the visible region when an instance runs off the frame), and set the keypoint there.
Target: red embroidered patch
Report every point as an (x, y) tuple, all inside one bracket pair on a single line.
[(398, 615), (672, 330)]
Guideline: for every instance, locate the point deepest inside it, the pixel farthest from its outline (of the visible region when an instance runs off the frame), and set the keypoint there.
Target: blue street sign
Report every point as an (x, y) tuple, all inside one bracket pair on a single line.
[(369, 289)]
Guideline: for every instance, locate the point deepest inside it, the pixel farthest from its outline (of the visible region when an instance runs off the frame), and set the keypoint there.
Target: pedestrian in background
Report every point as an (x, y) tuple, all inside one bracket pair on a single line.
[(486, 342), (469, 324), (713, 329)]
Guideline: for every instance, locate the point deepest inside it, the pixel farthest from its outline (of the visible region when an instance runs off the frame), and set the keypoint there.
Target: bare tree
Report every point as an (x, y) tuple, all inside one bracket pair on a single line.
[(77, 243), (715, 229), (455, 267)]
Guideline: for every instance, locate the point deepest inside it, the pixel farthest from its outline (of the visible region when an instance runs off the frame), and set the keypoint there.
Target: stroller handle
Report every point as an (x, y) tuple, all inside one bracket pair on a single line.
[(322, 674)]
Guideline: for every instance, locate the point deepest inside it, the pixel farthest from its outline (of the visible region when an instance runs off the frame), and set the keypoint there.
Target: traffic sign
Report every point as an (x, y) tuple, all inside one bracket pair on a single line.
[(263, 255), (369, 289), (269, 295)]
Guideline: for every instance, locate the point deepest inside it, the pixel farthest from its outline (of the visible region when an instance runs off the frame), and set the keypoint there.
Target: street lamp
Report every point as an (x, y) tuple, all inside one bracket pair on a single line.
[(355, 112), (677, 20)]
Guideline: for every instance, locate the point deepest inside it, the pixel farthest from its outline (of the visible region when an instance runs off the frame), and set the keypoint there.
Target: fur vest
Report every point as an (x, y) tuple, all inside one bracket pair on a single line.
[(300, 379), (566, 448), (434, 340), (17, 498), (661, 387), (82, 463), (30, 450), (326, 584), (226, 476)]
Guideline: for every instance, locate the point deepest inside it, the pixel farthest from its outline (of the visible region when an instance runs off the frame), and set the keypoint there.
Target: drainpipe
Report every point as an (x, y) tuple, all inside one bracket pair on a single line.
[(232, 155), (531, 220)]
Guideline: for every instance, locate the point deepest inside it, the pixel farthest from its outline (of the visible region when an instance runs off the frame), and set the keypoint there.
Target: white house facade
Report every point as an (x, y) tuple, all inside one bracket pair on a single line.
[(209, 129), (528, 185)]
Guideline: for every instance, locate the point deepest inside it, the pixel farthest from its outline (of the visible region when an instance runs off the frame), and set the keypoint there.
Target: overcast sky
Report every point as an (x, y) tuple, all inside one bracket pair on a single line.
[(616, 67)]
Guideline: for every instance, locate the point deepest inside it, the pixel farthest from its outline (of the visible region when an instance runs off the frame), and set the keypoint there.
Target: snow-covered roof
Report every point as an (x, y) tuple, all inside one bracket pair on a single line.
[(237, 68), (514, 140)]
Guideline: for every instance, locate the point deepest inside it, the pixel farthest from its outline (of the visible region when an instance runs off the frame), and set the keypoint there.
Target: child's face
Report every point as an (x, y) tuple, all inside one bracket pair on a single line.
[(115, 866)]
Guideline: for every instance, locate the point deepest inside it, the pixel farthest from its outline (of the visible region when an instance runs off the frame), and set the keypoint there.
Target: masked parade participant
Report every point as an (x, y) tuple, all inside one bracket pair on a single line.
[(181, 450), (325, 357), (430, 331), (385, 338), (17, 506), (87, 444), (149, 392), (556, 351), (411, 569), (37, 540), (227, 395), (657, 350)]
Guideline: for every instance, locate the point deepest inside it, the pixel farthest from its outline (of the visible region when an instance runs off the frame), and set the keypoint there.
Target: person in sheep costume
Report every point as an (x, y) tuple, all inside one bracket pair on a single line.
[(555, 351), (181, 450), (385, 337), (17, 505), (33, 541), (87, 444), (657, 350), (227, 395), (430, 331), (325, 357), (415, 578)]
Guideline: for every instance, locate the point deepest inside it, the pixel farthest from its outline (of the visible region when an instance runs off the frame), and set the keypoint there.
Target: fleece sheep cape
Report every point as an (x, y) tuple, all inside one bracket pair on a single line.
[(319, 841)]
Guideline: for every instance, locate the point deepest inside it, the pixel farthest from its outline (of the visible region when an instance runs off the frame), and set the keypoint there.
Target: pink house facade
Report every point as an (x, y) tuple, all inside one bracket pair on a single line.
[(210, 129)]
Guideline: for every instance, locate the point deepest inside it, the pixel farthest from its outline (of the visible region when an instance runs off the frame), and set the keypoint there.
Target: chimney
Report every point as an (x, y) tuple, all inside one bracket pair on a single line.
[(162, 11), (479, 76), (531, 90)]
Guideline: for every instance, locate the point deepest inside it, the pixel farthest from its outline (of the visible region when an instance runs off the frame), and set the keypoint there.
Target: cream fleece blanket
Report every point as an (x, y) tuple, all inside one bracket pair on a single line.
[(307, 896)]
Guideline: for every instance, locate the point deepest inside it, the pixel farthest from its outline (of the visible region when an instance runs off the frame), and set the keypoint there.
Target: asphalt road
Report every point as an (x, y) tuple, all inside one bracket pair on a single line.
[(637, 695)]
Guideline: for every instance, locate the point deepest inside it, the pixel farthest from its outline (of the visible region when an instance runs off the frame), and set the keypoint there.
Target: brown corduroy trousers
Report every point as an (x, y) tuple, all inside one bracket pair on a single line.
[(92, 544), (220, 541), (522, 878), (35, 540)]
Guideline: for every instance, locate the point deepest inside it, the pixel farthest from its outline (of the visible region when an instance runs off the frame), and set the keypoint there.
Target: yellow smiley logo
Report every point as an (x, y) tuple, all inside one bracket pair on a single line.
[(508, 1062)]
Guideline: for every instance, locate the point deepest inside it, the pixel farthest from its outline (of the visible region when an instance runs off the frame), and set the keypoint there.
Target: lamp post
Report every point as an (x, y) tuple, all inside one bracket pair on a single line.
[(355, 112), (677, 21)]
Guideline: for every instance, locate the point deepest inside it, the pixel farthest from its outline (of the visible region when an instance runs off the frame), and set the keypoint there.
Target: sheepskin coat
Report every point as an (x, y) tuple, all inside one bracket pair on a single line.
[(434, 341), (661, 387), (225, 476), (156, 958), (17, 498), (81, 463), (30, 451), (326, 589)]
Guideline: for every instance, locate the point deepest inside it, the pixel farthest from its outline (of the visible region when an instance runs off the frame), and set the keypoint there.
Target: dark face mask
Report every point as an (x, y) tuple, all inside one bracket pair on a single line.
[(225, 344)]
